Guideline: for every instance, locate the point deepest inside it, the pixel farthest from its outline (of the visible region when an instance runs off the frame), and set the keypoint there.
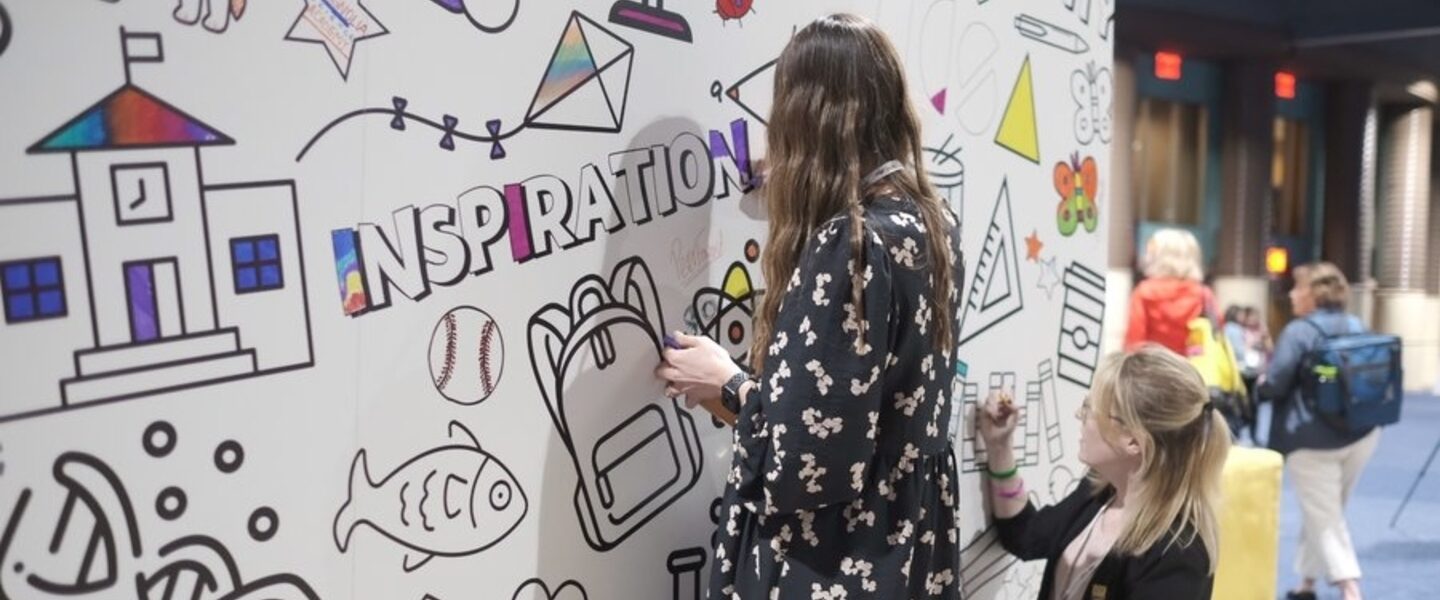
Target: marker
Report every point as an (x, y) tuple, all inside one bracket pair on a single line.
[(1051, 34), (672, 343)]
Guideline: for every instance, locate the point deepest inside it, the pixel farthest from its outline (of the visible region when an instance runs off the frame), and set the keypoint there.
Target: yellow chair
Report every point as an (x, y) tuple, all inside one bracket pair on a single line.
[(1249, 526)]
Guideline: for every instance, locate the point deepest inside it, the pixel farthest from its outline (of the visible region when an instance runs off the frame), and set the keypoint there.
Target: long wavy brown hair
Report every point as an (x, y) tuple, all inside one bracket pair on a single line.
[(841, 109)]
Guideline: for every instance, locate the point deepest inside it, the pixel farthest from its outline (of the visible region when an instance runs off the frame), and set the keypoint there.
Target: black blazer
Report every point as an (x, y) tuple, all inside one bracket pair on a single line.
[(1164, 572)]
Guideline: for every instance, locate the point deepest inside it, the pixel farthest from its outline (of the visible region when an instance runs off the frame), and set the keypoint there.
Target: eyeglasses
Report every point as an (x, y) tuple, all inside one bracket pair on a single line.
[(1085, 411)]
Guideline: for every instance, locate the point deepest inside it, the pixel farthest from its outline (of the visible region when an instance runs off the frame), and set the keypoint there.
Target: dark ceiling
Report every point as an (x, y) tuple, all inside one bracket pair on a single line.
[(1389, 41)]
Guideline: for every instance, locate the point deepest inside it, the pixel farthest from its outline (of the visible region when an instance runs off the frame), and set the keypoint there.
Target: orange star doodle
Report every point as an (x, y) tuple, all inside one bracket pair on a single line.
[(1033, 246)]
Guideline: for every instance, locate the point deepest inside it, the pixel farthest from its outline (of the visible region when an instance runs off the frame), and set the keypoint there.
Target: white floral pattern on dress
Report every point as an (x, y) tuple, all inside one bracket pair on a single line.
[(833, 496)]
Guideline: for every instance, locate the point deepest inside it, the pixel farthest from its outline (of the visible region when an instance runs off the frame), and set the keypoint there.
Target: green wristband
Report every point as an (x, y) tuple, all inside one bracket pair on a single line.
[(1003, 475)]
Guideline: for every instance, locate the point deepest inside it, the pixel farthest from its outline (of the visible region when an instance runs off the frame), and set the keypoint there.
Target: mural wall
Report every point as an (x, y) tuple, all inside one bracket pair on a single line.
[(360, 299)]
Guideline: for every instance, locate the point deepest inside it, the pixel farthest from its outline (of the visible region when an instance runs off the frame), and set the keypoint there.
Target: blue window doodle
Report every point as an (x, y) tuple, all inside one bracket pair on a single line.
[(256, 263), (34, 289)]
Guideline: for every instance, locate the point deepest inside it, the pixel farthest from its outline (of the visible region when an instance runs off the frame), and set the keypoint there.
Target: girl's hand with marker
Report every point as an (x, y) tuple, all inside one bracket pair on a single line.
[(695, 367), (997, 424)]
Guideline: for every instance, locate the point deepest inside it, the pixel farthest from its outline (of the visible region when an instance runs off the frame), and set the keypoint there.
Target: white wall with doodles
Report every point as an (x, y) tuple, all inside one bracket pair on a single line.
[(360, 299)]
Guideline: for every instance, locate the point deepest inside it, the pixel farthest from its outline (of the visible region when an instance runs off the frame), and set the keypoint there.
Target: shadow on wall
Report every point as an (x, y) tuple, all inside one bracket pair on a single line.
[(623, 463)]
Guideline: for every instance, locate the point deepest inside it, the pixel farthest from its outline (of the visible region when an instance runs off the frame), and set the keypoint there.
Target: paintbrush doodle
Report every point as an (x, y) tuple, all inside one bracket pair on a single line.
[(453, 500)]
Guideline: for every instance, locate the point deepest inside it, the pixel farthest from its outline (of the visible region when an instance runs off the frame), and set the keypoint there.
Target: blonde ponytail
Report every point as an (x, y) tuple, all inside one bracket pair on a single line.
[(1160, 399)]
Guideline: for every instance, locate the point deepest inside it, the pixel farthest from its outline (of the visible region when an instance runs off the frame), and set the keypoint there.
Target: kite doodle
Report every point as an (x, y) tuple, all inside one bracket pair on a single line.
[(585, 88), (338, 25)]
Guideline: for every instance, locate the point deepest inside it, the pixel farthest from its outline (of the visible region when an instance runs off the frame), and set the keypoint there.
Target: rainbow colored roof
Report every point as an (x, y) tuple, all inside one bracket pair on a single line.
[(130, 118)]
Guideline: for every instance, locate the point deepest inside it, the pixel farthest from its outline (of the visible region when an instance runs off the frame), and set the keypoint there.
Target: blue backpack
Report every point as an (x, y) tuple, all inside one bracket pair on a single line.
[(1353, 381)]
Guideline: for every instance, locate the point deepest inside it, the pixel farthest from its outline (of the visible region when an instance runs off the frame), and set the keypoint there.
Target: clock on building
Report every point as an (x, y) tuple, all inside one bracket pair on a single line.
[(142, 192)]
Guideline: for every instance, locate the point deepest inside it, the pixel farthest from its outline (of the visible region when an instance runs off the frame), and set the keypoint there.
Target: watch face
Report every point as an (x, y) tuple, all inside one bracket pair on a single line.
[(141, 192)]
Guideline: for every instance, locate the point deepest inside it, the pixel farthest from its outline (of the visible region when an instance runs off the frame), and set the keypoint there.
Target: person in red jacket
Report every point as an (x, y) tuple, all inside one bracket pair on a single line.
[(1172, 294)]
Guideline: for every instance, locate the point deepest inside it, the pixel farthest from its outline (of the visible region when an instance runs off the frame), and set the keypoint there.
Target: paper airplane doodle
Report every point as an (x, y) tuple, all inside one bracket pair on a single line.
[(453, 500), (585, 88)]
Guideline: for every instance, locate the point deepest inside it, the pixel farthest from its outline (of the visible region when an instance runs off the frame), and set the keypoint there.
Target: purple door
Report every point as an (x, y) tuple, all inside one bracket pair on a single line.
[(140, 294)]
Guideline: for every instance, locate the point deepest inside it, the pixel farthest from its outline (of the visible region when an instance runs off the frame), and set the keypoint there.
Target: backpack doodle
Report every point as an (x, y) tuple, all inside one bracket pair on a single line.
[(635, 451), (1354, 380)]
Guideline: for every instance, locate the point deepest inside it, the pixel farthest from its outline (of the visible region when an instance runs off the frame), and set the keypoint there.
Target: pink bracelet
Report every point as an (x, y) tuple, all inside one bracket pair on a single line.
[(1011, 494)]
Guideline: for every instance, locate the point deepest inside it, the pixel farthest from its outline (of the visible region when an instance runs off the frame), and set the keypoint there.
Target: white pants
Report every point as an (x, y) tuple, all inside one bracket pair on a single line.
[(1323, 480)]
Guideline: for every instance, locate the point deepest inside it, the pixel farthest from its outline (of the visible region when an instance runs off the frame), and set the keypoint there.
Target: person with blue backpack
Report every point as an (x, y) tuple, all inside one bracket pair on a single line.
[(1333, 384)]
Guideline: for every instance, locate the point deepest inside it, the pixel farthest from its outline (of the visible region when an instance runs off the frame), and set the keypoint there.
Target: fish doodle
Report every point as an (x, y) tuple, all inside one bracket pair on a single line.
[(453, 500)]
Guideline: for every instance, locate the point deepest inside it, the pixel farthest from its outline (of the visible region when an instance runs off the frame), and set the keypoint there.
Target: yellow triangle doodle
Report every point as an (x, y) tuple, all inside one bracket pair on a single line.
[(1017, 128)]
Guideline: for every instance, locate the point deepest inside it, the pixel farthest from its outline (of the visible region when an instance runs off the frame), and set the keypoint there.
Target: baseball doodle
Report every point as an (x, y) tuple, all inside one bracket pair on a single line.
[(467, 355), (585, 88), (452, 500)]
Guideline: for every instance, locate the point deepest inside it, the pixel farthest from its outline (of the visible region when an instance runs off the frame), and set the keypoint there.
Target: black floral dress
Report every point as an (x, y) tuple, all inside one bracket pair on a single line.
[(844, 484)]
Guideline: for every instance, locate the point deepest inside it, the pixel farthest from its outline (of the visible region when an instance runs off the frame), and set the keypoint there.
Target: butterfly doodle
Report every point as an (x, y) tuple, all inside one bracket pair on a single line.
[(1093, 90)]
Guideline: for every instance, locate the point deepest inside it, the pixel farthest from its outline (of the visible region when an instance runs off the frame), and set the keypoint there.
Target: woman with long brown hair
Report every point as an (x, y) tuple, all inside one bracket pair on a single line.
[(843, 482)]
